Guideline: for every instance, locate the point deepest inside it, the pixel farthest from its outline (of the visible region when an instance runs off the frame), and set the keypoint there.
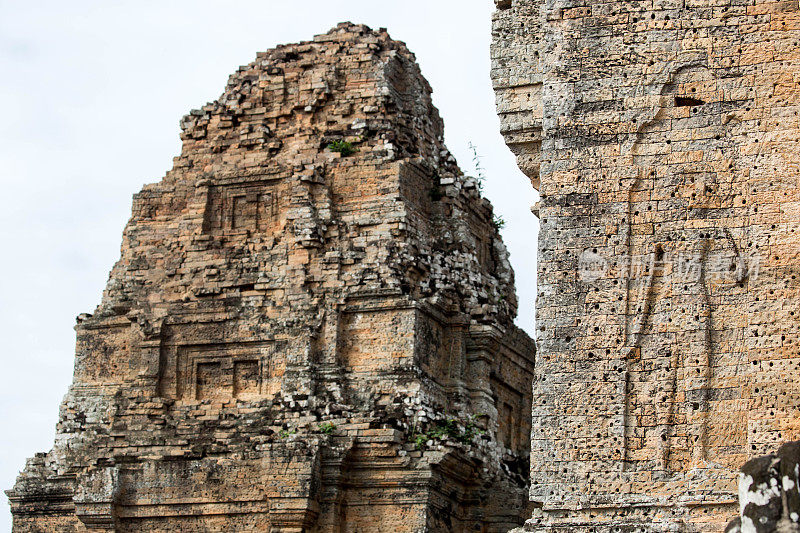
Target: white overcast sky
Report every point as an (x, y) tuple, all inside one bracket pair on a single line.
[(92, 92)]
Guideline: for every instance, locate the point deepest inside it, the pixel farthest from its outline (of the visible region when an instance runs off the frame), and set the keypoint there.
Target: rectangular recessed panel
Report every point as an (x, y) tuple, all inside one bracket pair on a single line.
[(246, 379), (238, 214), (243, 370), (242, 207), (210, 381)]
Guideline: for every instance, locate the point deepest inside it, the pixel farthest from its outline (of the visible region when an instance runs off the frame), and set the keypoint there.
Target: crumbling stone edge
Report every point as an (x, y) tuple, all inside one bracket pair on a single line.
[(769, 500)]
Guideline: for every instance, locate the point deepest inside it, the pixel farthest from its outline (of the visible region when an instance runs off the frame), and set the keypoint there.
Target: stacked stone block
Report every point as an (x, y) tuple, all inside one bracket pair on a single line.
[(663, 139)]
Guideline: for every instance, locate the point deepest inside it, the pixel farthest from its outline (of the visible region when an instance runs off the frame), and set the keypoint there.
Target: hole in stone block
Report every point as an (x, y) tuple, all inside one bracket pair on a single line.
[(687, 101)]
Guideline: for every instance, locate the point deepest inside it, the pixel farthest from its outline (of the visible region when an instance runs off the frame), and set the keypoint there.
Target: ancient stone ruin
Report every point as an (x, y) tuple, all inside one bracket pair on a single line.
[(663, 139), (309, 328)]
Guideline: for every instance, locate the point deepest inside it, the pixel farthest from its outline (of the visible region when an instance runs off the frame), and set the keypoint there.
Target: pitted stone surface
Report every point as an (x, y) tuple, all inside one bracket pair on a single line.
[(297, 338), (663, 139)]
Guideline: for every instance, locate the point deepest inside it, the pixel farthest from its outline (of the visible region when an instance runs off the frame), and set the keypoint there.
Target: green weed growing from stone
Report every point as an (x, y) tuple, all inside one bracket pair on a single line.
[(343, 147), (499, 222), (449, 429), (327, 428), (286, 433)]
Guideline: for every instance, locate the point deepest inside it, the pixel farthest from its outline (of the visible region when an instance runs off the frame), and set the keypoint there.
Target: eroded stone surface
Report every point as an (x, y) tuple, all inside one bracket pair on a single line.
[(663, 139), (769, 497), (298, 339)]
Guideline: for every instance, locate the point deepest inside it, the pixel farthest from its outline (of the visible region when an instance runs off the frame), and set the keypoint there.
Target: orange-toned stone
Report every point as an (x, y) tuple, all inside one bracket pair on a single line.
[(663, 139), (297, 339)]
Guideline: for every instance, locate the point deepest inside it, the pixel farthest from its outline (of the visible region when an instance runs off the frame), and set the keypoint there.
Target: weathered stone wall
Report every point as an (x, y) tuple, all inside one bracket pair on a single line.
[(663, 139), (295, 338)]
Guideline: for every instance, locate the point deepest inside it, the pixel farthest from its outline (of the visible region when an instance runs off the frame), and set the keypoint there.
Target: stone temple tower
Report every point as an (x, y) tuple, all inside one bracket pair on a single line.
[(663, 139), (309, 328)]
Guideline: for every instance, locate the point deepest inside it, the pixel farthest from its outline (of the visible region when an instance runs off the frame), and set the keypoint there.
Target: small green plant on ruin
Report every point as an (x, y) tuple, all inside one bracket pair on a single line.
[(286, 433), (449, 429), (480, 172), (343, 147), (499, 222), (327, 428)]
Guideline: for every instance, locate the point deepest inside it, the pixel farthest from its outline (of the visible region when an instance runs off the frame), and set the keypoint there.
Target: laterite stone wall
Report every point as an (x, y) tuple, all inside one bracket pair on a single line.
[(662, 137)]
